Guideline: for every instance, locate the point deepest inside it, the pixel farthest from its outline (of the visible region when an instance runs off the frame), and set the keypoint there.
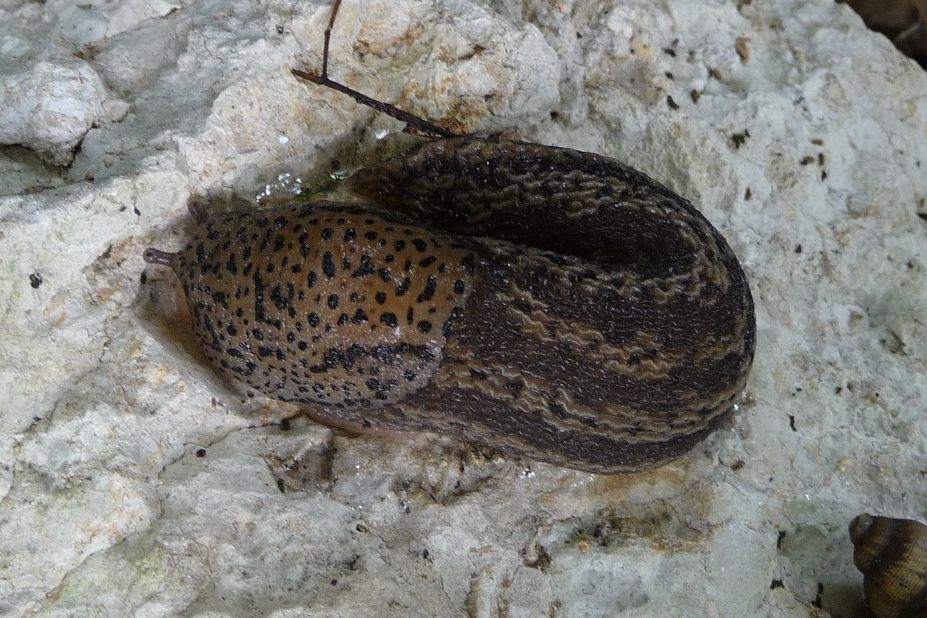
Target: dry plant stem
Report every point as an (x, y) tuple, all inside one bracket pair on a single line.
[(328, 36), (420, 124), (391, 110)]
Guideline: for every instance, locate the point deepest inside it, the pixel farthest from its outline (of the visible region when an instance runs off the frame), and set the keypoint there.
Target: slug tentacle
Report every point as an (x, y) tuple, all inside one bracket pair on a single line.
[(156, 256)]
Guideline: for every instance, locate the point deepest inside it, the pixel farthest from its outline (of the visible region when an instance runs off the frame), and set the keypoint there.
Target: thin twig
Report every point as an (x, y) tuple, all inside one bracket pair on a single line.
[(328, 36), (391, 110), (422, 125)]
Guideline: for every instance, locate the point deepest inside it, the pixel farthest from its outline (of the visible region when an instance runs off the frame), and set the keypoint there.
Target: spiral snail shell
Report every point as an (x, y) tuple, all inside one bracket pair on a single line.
[(891, 553)]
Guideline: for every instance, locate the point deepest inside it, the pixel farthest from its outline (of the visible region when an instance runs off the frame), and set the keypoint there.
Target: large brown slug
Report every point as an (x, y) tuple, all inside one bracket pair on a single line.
[(550, 303)]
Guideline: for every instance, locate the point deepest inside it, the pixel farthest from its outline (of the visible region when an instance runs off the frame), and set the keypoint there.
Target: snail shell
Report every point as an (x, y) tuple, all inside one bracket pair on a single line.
[(892, 556), (547, 302)]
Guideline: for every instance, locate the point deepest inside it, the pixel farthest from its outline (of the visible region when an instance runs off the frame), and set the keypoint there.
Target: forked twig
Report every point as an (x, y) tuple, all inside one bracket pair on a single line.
[(412, 120)]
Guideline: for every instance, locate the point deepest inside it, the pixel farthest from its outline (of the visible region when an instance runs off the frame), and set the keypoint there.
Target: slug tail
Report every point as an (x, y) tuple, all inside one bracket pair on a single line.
[(610, 326)]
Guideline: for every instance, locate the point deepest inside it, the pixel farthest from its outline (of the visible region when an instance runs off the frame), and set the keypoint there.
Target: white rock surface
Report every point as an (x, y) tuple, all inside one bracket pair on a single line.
[(133, 481), (49, 108)]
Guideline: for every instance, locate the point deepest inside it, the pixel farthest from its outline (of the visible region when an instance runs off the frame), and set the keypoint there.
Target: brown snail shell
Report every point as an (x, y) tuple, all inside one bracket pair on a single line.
[(891, 553)]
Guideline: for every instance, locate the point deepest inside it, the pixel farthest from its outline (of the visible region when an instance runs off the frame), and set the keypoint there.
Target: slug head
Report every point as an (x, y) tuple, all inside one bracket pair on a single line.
[(200, 215), (343, 306)]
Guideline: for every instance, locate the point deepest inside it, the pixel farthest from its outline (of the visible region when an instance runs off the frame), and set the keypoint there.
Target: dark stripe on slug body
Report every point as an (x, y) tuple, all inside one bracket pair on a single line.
[(573, 366), (528, 433)]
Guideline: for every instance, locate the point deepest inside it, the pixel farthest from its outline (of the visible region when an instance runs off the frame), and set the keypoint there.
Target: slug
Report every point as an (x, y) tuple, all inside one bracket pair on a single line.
[(549, 303), (891, 553)]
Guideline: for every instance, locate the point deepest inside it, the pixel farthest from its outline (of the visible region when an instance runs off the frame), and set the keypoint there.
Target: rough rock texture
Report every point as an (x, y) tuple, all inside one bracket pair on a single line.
[(133, 481)]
